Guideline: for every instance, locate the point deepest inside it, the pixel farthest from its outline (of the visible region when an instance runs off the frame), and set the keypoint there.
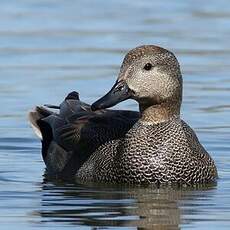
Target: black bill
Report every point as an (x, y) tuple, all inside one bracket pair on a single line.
[(119, 92)]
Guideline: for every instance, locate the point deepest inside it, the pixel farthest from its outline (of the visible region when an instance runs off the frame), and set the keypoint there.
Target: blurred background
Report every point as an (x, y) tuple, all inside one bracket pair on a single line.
[(49, 48)]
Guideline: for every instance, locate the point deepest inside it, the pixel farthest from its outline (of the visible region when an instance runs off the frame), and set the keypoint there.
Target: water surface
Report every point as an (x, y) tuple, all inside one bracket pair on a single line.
[(49, 48)]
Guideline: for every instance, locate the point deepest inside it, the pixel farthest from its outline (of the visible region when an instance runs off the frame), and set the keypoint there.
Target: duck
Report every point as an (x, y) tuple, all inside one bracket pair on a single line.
[(94, 143)]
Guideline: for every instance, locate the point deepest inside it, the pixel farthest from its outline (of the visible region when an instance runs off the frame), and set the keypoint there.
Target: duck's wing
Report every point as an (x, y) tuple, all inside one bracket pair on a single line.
[(72, 135)]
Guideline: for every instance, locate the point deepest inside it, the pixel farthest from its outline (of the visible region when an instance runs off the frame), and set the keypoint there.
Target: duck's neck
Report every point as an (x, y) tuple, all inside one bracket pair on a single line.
[(159, 113)]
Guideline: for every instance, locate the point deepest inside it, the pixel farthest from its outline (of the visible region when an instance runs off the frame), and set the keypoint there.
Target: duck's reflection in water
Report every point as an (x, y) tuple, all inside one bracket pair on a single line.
[(106, 206)]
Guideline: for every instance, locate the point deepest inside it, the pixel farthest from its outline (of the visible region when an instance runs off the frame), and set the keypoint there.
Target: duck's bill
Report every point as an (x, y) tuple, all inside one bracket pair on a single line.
[(119, 92)]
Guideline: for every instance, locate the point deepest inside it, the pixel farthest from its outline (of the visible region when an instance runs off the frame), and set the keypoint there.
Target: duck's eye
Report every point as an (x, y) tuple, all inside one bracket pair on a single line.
[(148, 66)]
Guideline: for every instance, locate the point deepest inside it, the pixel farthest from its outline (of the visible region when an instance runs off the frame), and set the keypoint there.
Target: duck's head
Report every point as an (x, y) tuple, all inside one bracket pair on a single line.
[(150, 75)]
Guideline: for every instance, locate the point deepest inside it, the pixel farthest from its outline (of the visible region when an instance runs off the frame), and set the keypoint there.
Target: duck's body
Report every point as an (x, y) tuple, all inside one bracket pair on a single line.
[(152, 146), (163, 153)]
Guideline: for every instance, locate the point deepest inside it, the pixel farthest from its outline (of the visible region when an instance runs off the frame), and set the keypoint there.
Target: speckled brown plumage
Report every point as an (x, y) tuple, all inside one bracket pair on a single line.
[(151, 147), (166, 153)]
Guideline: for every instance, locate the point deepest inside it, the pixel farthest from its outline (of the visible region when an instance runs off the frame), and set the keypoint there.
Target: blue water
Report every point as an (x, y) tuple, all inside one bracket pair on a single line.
[(48, 48)]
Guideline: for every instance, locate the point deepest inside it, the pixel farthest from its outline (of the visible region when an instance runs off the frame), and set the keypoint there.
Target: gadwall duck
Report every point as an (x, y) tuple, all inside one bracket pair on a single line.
[(152, 146)]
